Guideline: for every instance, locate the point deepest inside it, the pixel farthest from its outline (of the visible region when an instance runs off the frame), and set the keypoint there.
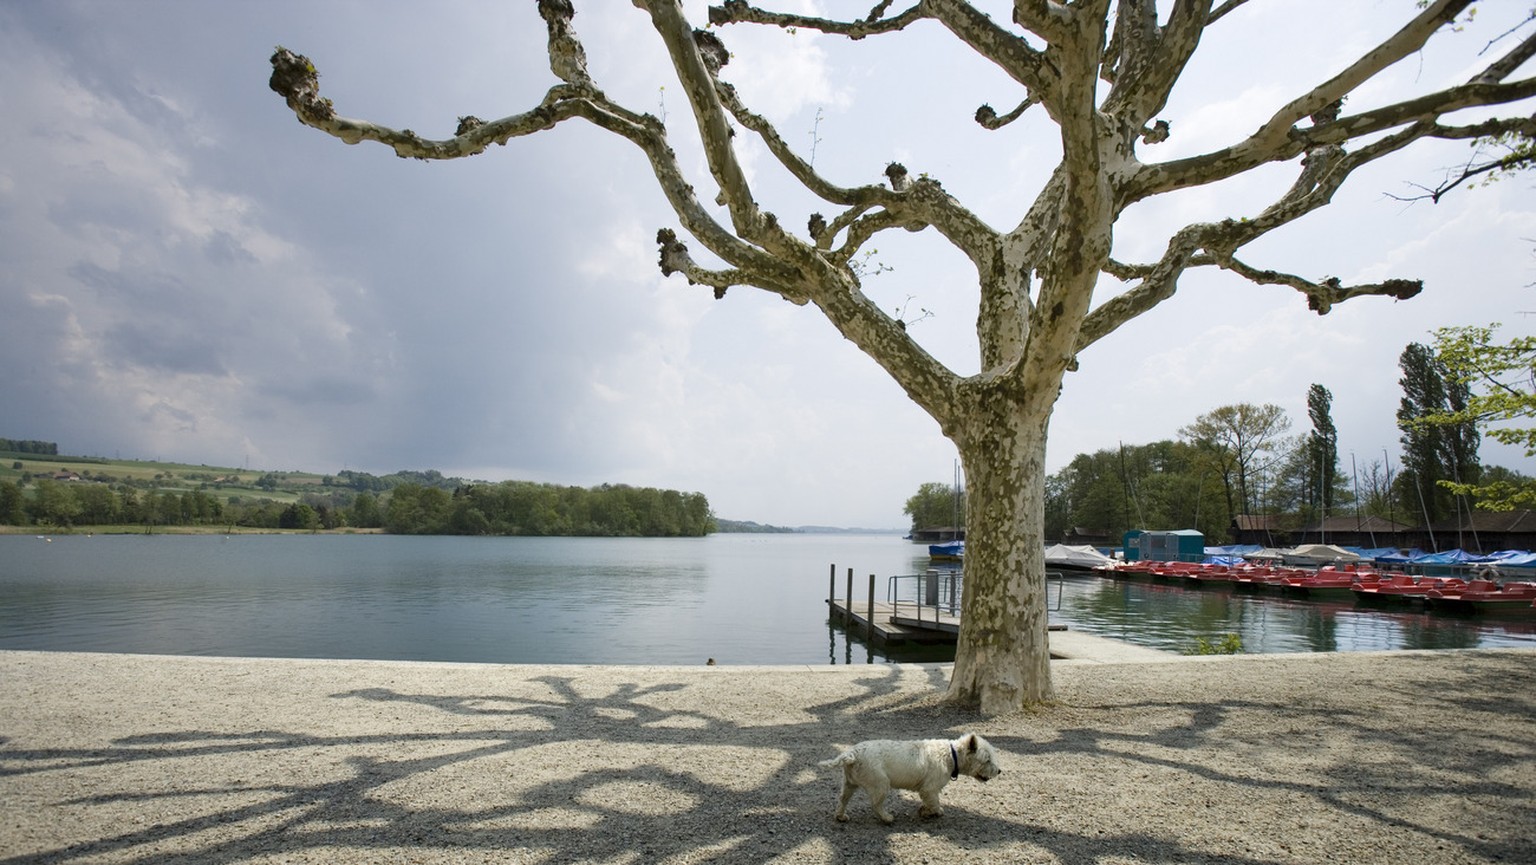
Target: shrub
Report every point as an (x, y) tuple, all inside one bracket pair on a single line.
[(1229, 644)]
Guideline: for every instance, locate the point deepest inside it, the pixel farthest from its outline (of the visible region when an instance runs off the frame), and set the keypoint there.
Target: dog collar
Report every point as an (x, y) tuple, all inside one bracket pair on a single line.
[(955, 773)]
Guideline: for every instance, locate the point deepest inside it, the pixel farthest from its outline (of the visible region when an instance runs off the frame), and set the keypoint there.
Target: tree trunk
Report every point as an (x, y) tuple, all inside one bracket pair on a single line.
[(1002, 662)]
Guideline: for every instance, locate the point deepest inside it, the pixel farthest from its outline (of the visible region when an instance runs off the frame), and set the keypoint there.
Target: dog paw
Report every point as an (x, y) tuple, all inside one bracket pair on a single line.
[(841, 818)]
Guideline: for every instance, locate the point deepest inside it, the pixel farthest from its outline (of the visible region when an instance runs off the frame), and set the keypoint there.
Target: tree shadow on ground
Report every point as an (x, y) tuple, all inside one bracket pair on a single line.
[(572, 768), (1348, 749)]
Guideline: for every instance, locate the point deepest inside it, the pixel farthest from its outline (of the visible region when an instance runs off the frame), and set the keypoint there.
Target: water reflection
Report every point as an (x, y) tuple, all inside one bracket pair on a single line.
[(738, 599), (1173, 618)]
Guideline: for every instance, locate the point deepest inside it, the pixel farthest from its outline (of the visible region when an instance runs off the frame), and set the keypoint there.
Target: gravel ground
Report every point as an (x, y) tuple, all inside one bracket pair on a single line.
[(1404, 757)]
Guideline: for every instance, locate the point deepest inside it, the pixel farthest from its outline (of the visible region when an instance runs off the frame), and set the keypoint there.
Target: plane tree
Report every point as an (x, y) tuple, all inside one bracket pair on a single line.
[(1093, 75)]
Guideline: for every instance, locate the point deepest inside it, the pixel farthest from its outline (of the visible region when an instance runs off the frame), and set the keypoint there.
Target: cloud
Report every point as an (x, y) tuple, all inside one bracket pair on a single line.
[(191, 274)]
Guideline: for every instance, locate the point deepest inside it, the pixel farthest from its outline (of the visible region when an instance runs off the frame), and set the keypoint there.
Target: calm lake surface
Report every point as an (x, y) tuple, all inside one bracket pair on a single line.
[(741, 599)]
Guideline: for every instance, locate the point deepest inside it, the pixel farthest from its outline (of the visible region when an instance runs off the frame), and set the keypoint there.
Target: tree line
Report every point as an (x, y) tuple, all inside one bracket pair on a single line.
[(29, 446), (67, 504), (1242, 459), (508, 508), (525, 508)]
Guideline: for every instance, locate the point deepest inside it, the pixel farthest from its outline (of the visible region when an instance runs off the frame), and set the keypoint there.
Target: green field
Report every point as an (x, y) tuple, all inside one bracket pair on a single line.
[(220, 482)]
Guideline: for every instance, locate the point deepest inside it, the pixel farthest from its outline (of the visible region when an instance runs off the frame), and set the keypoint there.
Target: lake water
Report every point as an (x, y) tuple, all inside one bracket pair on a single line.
[(741, 599)]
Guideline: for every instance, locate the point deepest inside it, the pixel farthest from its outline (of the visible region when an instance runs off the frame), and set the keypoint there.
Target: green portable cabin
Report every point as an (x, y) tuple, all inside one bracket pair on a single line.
[(1182, 545)]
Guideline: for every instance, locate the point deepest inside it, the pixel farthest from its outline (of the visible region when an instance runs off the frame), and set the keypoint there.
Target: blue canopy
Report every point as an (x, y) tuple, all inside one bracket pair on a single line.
[(1449, 557), (1511, 559), (1375, 554), (1396, 558)]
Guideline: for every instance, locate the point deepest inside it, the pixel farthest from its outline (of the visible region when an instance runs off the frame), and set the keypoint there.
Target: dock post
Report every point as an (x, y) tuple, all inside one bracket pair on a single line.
[(871, 607), (848, 598), (832, 585)]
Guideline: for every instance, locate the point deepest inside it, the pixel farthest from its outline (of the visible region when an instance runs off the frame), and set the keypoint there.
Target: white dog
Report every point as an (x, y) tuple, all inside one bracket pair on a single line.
[(925, 766)]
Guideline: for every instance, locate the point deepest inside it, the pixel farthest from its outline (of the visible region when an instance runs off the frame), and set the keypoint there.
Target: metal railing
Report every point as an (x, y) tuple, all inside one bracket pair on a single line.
[(940, 589)]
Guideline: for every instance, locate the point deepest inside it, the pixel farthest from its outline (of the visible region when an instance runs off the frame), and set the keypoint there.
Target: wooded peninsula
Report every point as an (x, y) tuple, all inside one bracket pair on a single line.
[(41, 489)]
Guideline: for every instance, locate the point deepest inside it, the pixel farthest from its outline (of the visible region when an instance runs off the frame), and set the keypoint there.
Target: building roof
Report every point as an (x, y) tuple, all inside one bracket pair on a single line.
[(1490, 521), (1342, 524)]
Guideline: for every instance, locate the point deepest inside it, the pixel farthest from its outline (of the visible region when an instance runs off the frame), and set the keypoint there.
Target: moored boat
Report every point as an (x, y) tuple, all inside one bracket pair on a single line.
[(1081, 559), (1323, 585), (1212, 576), (949, 551), (1393, 589), (1269, 578), (1407, 589), (1485, 596)]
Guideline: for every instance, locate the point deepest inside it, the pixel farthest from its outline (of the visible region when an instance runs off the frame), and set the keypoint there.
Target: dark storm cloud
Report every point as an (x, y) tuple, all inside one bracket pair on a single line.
[(307, 389), (177, 349), (154, 294)]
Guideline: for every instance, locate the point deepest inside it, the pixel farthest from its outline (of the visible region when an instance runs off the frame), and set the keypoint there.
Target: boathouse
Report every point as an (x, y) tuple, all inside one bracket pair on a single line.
[(1362, 531), (1485, 531)]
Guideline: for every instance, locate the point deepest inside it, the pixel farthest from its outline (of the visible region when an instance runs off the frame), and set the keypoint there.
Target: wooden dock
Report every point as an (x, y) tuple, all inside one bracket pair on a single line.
[(909, 622), (901, 622)]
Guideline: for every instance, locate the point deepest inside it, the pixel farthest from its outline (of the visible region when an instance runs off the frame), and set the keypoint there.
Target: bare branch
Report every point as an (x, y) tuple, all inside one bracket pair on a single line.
[(1508, 63), (1321, 296), (698, 82), (801, 169), (1149, 59), (738, 11), (296, 79), (1519, 158), (1050, 18), (1323, 171), (1406, 41), (925, 206), (1222, 11), (1155, 283), (1158, 281), (1420, 112), (988, 117), (567, 59), (1005, 49), (674, 258)]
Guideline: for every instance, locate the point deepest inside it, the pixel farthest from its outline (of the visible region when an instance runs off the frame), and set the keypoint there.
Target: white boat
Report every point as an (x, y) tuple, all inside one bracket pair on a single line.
[(1083, 558)]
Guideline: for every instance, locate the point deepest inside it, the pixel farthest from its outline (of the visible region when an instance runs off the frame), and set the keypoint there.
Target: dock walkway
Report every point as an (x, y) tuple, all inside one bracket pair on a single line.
[(910, 622)]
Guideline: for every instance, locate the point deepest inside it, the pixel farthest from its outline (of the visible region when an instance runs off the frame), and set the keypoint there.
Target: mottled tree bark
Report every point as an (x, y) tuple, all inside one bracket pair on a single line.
[(1002, 660)]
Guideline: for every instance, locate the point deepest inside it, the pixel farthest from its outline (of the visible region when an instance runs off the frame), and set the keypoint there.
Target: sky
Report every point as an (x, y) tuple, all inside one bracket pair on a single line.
[(192, 275)]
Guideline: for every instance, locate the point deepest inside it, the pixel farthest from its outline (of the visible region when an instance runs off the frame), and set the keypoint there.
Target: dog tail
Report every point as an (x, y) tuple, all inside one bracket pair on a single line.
[(842, 759)]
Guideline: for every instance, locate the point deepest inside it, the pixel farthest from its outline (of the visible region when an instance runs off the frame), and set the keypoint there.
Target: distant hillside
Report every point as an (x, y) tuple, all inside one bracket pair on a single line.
[(42, 488), (748, 527), (230, 497)]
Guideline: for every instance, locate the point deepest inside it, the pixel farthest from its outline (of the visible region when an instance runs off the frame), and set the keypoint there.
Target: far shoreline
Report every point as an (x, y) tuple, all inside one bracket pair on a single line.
[(82, 531)]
